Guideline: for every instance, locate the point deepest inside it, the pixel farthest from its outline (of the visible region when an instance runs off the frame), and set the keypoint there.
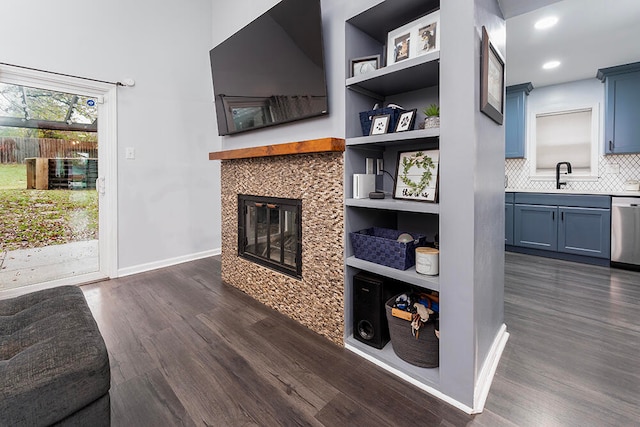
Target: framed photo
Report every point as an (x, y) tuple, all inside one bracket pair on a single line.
[(406, 121), (380, 124), (428, 34), (416, 38), (491, 81), (364, 65), (417, 175)]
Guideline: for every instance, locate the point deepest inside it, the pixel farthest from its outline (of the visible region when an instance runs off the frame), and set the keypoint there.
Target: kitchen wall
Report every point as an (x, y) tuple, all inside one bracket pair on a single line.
[(613, 170)]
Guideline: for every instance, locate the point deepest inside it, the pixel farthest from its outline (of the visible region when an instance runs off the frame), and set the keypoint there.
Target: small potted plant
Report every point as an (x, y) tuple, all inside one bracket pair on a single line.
[(433, 116)]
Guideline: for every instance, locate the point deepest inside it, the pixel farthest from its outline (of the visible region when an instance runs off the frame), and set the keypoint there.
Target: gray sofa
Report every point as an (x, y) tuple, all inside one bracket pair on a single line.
[(54, 366)]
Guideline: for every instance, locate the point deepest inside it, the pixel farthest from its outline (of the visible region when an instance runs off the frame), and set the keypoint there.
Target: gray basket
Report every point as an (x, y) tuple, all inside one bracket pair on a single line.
[(424, 351)]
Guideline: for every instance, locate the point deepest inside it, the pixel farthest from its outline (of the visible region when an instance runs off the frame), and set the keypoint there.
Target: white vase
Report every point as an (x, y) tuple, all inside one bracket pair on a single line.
[(431, 122)]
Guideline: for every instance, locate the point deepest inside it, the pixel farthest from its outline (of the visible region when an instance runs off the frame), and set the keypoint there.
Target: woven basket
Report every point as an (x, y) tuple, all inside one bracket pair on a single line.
[(380, 245), (423, 351)]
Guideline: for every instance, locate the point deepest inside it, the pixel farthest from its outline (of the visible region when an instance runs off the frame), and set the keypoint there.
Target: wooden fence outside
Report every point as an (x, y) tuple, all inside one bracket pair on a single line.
[(15, 150)]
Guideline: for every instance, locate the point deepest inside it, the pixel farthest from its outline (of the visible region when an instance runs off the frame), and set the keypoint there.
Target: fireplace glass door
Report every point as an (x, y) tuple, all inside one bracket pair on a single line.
[(269, 232)]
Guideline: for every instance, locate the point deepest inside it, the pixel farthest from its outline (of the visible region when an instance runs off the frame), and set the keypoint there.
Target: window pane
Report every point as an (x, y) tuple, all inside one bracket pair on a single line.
[(563, 137)]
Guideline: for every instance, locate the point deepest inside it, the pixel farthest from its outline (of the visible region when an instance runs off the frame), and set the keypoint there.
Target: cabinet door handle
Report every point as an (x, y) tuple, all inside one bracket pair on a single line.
[(611, 145), (561, 216), (553, 215)]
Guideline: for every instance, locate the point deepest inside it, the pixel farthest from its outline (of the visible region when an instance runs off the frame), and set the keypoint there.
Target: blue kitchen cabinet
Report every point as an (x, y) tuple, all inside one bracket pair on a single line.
[(622, 108), (568, 224), (515, 120), (584, 231), (508, 219), (535, 227)]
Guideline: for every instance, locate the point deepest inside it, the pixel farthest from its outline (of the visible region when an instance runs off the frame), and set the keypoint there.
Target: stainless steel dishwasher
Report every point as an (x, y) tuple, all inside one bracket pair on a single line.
[(625, 232)]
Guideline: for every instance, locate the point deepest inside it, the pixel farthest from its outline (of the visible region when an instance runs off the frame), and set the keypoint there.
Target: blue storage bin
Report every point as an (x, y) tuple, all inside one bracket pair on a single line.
[(380, 245)]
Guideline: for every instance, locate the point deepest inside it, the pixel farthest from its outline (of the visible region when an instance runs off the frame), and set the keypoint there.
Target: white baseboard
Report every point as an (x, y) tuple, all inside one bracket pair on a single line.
[(485, 377), (141, 268)]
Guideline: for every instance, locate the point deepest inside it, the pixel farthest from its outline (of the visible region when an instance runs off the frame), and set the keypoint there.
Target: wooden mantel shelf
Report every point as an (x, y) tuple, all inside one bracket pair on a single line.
[(322, 145)]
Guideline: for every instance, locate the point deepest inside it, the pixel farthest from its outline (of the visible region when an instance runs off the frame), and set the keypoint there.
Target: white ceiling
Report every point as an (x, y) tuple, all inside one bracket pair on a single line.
[(590, 34)]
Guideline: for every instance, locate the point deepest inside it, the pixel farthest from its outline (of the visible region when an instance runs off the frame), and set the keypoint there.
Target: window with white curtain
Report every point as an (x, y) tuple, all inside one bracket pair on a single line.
[(565, 136)]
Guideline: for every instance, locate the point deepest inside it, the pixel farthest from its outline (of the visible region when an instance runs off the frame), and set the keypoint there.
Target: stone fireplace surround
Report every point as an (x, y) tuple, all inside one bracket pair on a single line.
[(316, 178)]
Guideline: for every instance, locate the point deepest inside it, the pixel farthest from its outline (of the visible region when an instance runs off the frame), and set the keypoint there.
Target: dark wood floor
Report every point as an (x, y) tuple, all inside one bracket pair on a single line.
[(186, 349)]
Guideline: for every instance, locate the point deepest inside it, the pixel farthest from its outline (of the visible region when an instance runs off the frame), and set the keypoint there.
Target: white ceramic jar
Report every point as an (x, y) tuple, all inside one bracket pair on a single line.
[(427, 260)]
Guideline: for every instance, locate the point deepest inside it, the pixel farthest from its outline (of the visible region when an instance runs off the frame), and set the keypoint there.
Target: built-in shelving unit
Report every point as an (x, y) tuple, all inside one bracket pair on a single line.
[(412, 83), (467, 352)]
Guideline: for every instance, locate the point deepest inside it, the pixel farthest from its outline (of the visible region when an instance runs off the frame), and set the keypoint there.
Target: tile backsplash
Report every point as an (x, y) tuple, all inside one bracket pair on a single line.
[(628, 165)]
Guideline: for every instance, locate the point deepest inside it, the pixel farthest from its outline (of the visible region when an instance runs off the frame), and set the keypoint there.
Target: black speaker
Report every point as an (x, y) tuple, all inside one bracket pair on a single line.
[(369, 318)]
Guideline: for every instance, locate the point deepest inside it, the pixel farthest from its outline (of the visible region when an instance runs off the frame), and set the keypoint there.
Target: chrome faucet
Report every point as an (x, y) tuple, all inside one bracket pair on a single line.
[(558, 183)]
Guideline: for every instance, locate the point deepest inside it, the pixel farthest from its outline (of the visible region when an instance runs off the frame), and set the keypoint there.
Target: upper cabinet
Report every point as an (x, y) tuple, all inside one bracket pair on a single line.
[(622, 108), (515, 120)]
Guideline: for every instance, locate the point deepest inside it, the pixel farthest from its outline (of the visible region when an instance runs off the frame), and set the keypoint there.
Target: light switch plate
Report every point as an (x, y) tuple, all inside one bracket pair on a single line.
[(130, 153)]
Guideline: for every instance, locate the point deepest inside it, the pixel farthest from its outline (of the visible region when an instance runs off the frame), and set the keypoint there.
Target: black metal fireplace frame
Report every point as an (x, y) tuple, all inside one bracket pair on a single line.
[(271, 204)]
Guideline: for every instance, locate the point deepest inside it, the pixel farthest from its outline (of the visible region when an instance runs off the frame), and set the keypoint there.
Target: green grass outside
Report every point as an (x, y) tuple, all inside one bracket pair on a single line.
[(13, 177), (37, 218)]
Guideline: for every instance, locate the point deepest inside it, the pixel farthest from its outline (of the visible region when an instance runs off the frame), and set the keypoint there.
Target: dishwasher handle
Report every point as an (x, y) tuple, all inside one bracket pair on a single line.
[(625, 202)]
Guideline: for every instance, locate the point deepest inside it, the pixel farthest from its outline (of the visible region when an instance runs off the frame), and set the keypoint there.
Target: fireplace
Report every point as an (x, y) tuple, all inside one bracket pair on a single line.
[(310, 176), (269, 232)]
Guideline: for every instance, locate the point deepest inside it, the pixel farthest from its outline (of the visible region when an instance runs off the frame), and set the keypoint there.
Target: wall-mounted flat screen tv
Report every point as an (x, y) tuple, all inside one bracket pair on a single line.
[(271, 71)]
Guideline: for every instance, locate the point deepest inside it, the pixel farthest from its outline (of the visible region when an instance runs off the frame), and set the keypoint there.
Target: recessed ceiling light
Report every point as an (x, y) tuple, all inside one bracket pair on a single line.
[(551, 64), (545, 23)]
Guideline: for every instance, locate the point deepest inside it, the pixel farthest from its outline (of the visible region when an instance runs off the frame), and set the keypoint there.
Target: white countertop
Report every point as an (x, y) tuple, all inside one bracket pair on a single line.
[(570, 191)]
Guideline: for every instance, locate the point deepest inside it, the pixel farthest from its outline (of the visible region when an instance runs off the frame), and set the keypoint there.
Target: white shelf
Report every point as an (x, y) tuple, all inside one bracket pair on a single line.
[(389, 203), (387, 359), (394, 138), (408, 276)]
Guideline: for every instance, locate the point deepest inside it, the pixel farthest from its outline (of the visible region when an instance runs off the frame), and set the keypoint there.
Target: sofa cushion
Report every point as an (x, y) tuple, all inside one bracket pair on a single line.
[(53, 360)]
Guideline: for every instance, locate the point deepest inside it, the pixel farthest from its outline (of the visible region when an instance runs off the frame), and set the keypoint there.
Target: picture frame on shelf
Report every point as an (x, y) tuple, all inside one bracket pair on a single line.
[(428, 34), (417, 174), (380, 124), (419, 37), (492, 79), (406, 121), (363, 65)]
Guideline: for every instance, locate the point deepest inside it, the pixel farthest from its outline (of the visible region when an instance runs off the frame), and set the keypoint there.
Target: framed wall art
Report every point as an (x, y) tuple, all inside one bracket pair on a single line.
[(364, 65), (491, 80), (416, 38), (417, 175)]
